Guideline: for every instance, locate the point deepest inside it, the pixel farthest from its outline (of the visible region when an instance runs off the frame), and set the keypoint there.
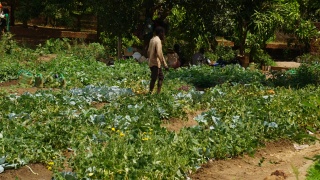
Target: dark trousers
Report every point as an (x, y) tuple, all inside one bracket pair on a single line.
[(156, 74)]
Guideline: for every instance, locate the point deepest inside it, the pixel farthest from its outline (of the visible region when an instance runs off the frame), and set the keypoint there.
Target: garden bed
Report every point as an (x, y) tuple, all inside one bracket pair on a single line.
[(121, 129)]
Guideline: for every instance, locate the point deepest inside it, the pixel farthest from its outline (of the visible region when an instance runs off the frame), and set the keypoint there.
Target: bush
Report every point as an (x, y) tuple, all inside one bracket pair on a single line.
[(225, 53), (306, 74), (308, 58), (261, 57)]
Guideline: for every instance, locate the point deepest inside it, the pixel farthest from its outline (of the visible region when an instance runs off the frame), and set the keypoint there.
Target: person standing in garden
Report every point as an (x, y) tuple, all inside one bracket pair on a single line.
[(198, 58), (177, 49), (7, 19), (156, 59), (2, 19)]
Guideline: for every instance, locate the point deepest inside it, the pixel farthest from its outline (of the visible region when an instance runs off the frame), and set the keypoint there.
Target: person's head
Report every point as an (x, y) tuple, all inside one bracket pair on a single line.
[(5, 10), (160, 32), (176, 48), (201, 50)]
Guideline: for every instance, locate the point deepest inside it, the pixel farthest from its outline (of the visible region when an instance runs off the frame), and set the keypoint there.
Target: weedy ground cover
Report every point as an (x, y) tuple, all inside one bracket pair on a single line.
[(124, 139)]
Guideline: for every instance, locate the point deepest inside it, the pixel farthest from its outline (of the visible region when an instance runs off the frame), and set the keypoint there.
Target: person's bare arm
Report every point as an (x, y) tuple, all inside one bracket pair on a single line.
[(148, 52), (160, 55)]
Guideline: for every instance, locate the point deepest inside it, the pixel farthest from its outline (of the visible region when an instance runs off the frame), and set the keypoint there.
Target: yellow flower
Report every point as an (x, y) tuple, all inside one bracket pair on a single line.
[(49, 168), (121, 134), (51, 163), (113, 129), (270, 91), (90, 174), (145, 139)]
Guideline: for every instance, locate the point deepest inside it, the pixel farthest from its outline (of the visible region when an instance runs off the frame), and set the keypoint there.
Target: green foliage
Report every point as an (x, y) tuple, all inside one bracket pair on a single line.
[(125, 138), (206, 76), (262, 58), (306, 74), (225, 53), (205, 20), (305, 32), (125, 15), (54, 46), (314, 171), (8, 45), (28, 9), (309, 58), (310, 9), (110, 43), (56, 14), (9, 70)]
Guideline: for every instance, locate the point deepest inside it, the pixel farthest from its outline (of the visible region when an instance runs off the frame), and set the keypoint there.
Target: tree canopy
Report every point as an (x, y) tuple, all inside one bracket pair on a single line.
[(187, 20)]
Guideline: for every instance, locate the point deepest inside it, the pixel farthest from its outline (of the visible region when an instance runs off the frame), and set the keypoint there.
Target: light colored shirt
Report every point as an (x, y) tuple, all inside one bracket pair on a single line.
[(155, 53), (1, 14)]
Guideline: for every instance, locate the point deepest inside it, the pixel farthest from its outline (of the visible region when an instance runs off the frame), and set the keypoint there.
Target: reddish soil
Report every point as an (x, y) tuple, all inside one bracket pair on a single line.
[(177, 124), (13, 87), (35, 172), (276, 156)]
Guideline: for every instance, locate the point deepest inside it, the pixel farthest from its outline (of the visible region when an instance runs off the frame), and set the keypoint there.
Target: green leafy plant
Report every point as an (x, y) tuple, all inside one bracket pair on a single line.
[(308, 58), (123, 137), (225, 53)]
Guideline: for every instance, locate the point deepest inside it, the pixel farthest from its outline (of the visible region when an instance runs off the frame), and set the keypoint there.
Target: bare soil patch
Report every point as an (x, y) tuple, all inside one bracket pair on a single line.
[(276, 156), (177, 124), (40, 172), (47, 57), (98, 105), (287, 64), (13, 87)]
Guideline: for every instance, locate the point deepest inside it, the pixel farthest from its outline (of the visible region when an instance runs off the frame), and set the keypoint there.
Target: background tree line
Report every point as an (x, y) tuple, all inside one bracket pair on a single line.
[(250, 24)]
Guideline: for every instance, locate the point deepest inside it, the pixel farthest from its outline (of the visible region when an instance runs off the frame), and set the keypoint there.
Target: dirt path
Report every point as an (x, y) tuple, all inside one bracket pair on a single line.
[(278, 156), (285, 159)]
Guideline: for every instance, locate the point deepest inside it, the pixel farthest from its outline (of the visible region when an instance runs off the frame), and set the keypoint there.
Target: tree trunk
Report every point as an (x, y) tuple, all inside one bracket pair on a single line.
[(78, 27), (98, 30), (25, 23), (243, 30), (213, 44), (12, 12), (119, 47)]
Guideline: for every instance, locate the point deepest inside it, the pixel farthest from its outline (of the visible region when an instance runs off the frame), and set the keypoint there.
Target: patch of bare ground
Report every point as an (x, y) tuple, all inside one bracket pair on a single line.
[(175, 124), (34, 171), (98, 105), (47, 57), (281, 66), (30, 172), (13, 87), (287, 64), (276, 161)]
